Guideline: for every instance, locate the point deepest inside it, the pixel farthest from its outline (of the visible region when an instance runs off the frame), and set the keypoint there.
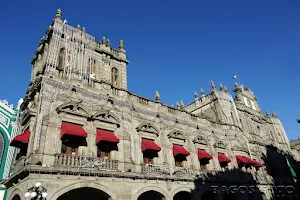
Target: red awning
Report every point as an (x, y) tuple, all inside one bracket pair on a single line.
[(202, 154), (23, 138), (149, 145), (104, 135), (72, 129), (256, 163), (177, 149), (244, 160), (223, 159)]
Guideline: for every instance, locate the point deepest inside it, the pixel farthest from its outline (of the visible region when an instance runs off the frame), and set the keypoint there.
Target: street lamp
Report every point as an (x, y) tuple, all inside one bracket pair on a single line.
[(37, 192)]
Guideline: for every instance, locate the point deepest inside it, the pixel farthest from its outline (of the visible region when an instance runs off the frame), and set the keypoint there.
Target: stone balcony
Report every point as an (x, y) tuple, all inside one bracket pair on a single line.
[(85, 162), (98, 167)]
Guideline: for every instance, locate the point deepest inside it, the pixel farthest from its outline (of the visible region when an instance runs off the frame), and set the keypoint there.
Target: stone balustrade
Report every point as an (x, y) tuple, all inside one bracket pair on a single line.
[(85, 162), (173, 170), (20, 163)]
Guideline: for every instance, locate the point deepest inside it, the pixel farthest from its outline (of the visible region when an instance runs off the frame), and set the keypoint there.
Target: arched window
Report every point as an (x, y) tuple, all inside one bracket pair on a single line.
[(2, 148), (115, 77), (61, 58)]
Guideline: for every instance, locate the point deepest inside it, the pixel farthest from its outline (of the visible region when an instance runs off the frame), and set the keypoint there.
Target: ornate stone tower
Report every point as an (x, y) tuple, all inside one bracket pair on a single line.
[(71, 53), (246, 97)]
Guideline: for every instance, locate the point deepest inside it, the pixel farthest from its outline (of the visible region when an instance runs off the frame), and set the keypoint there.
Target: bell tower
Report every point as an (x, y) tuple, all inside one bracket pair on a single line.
[(71, 54), (246, 97)]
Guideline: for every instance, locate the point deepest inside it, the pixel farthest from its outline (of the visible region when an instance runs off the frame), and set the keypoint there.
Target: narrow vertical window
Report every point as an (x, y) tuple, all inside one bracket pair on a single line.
[(61, 58), (115, 77), (91, 70)]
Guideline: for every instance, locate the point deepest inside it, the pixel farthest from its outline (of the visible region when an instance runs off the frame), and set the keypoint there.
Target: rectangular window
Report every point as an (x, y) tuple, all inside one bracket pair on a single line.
[(148, 160), (70, 151), (178, 164), (203, 166), (224, 165), (103, 154), (22, 151)]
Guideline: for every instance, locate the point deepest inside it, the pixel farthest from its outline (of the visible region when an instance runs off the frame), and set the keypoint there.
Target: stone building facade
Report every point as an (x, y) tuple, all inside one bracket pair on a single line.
[(295, 146), (89, 135)]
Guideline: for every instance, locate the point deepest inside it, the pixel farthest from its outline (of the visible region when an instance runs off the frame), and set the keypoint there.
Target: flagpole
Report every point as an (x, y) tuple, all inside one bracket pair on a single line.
[(237, 77)]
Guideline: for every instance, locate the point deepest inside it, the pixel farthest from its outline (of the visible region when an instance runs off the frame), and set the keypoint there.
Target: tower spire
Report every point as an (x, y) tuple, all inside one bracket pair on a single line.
[(157, 96), (58, 14), (212, 84), (196, 96), (202, 92)]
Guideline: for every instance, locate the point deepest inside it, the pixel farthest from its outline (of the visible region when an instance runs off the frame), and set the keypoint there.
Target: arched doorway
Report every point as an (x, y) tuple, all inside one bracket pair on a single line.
[(16, 197), (151, 195), (208, 195), (85, 193), (183, 195)]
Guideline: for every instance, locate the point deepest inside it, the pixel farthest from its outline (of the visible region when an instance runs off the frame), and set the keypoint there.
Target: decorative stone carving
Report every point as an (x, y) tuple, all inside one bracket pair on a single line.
[(106, 116), (176, 134), (74, 109), (220, 144), (240, 148), (200, 140), (148, 127)]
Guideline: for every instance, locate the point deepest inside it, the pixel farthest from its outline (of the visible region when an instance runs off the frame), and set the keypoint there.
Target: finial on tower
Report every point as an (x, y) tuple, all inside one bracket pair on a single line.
[(157, 96), (121, 46), (181, 104), (274, 115), (103, 39), (78, 27), (172, 105), (202, 92), (196, 96), (58, 14), (221, 87), (267, 113), (212, 84), (236, 84), (177, 104), (83, 30), (225, 89)]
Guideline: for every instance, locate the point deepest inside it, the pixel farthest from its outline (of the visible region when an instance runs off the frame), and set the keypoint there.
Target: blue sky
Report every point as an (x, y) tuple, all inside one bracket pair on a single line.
[(174, 47)]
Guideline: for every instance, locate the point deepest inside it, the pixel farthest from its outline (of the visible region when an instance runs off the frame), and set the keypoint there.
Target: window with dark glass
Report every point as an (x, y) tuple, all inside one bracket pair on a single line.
[(61, 58), (92, 68), (203, 164), (115, 77), (149, 156), (106, 142), (104, 149), (180, 154), (70, 146), (150, 150)]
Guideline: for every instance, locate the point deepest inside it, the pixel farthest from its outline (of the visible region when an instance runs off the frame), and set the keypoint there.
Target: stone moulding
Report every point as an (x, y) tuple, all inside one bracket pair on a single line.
[(148, 127), (176, 134)]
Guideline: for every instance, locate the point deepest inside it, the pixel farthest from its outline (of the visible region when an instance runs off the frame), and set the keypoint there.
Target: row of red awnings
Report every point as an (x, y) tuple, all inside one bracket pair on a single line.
[(109, 136), (244, 160), (69, 129)]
